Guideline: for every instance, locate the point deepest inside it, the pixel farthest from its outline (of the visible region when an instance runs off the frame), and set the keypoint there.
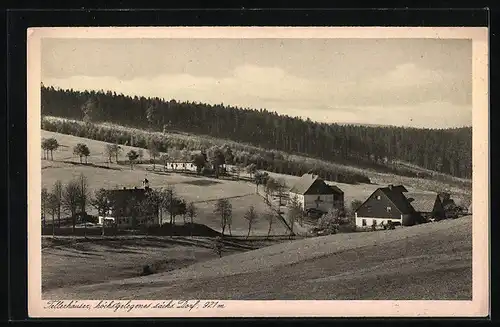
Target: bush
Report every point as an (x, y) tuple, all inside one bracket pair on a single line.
[(147, 270)]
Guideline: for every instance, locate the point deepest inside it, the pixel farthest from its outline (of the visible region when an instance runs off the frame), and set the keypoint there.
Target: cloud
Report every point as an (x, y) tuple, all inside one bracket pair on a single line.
[(406, 95)]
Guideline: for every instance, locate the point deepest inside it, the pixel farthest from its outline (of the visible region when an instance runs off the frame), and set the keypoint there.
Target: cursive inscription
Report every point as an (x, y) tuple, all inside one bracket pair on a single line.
[(128, 306)]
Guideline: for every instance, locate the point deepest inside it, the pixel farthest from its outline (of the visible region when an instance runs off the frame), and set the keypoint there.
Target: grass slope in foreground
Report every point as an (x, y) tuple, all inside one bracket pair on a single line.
[(423, 262)]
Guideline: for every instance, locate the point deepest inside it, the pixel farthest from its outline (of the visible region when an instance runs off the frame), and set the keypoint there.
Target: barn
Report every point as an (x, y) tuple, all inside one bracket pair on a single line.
[(427, 205), (313, 193)]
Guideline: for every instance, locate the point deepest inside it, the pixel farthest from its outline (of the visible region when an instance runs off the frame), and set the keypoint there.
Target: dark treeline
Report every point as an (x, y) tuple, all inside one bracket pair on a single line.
[(447, 151)]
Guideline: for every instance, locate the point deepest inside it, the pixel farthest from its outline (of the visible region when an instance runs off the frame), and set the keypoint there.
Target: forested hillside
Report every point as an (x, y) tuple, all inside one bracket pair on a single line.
[(448, 150)]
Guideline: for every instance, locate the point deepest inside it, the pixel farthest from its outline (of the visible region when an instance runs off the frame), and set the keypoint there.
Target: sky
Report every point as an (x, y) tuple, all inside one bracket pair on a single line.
[(403, 82)]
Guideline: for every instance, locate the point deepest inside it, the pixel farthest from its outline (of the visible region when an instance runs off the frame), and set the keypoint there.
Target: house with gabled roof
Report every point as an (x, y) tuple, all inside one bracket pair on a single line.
[(124, 206), (314, 193), (429, 205), (384, 205)]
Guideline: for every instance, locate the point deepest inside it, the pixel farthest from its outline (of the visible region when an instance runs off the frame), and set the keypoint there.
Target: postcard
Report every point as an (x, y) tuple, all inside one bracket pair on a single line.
[(258, 172)]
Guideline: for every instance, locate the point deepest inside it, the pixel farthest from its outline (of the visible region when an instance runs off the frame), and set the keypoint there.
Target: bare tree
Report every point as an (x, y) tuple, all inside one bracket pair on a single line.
[(270, 187), (70, 199), (153, 152), (108, 152), (224, 209), (280, 189), (83, 197), (191, 212), (100, 201), (52, 207), (169, 203), (116, 149), (154, 202), (44, 198), (269, 216), (294, 213), (57, 190), (260, 178), (250, 216)]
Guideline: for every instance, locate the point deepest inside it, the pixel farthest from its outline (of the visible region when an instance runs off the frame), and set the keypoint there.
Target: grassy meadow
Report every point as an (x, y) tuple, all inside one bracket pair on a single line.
[(430, 261), (69, 261), (424, 262), (201, 190)]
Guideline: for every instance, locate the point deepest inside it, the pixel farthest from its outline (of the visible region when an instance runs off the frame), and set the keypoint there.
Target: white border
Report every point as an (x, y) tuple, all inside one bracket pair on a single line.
[(479, 306)]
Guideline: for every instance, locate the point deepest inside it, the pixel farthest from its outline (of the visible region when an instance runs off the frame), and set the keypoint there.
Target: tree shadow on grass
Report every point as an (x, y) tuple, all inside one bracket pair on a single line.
[(90, 164), (202, 182)]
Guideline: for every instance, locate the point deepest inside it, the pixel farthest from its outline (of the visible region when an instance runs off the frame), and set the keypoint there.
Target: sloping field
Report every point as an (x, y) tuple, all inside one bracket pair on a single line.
[(431, 261), (69, 261), (454, 184), (198, 189), (240, 226)]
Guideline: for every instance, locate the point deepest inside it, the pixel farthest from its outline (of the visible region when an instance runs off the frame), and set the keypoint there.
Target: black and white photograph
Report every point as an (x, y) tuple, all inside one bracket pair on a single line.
[(196, 171)]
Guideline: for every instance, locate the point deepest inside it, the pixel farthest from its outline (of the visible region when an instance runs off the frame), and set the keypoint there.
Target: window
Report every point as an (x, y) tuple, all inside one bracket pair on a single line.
[(378, 197), (389, 209), (363, 222)]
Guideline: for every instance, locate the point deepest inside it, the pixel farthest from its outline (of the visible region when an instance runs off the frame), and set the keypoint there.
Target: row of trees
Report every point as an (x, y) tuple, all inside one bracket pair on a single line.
[(445, 150), (74, 197), (71, 198), (224, 209)]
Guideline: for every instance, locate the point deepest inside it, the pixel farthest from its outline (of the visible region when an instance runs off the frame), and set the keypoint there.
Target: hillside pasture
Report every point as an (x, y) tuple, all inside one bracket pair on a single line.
[(425, 262), (239, 225), (193, 188), (439, 182), (203, 191), (70, 261)]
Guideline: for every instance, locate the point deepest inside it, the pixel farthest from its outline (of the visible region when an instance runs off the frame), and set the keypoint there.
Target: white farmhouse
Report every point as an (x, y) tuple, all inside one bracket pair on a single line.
[(313, 193)]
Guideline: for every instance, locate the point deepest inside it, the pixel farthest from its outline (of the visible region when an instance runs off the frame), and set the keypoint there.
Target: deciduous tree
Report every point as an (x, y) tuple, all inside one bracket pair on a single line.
[(251, 217), (82, 151), (57, 191), (132, 156), (224, 209), (70, 199)]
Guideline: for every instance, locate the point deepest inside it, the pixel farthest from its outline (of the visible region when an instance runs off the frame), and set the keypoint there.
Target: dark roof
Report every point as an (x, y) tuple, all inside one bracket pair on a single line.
[(335, 188), (422, 202), (126, 194), (397, 198), (314, 185), (399, 188)]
